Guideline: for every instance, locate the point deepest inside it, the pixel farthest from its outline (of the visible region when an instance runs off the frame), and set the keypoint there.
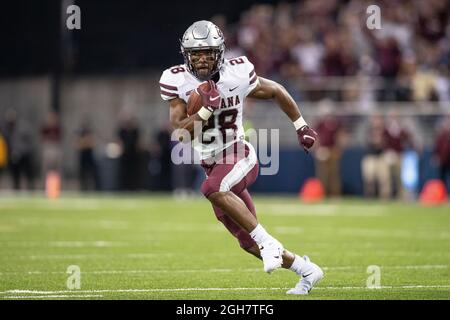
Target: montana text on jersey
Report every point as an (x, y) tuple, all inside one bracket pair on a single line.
[(237, 79)]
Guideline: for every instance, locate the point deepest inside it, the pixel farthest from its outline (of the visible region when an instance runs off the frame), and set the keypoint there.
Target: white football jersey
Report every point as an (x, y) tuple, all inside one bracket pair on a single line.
[(237, 80)]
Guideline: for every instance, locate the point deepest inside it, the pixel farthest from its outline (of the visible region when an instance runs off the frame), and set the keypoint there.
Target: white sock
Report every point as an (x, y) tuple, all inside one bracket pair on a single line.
[(297, 265), (259, 234)]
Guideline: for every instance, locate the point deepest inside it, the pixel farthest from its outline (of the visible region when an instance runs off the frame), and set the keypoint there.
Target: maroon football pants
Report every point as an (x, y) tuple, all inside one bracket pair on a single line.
[(235, 171)]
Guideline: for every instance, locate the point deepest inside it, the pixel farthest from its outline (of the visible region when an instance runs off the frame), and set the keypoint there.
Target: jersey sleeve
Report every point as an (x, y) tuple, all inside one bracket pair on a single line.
[(252, 77), (168, 85)]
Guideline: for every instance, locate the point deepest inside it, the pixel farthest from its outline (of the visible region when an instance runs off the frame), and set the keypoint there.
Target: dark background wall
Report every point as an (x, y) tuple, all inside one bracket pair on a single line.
[(115, 36)]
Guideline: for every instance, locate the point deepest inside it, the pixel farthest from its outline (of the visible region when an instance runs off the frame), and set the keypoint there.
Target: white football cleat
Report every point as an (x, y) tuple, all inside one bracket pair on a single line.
[(272, 254), (311, 275)]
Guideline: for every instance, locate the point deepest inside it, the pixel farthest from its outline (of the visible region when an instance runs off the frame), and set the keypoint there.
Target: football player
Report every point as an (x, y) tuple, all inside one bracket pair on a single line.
[(231, 81)]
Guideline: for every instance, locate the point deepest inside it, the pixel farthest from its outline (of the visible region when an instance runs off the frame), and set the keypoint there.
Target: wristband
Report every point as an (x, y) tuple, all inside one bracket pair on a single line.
[(204, 113), (299, 123)]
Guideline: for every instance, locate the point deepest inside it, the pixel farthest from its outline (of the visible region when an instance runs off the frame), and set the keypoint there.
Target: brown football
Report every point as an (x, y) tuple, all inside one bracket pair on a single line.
[(195, 101)]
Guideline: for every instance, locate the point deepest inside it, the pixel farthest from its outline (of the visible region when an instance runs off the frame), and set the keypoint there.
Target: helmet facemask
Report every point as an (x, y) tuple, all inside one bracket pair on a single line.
[(204, 62)]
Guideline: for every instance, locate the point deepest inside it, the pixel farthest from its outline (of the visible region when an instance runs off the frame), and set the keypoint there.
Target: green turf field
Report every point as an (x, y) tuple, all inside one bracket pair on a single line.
[(155, 247)]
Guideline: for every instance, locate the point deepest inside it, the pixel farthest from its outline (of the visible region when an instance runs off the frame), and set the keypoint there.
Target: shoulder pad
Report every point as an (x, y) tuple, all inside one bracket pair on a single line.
[(171, 79)]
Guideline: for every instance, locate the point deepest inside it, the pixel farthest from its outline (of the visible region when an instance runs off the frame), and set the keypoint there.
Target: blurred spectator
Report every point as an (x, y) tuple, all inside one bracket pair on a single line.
[(432, 19), (128, 134), (423, 85), (375, 169), (398, 140), (328, 153), (337, 58), (308, 52), (389, 59), (164, 173), (183, 177), (87, 166), (442, 151), (443, 86), (405, 78), (160, 163), (19, 141), (51, 144)]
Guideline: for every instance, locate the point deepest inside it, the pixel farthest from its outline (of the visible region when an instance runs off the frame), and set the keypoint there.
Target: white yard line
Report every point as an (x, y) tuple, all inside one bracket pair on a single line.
[(146, 255), (321, 210), (367, 232), (19, 291), (386, 287), (223, 270), (75, 204), (59, 292), (132, 271), (91, 256), (435, 266), (68, 244), (55, 296)]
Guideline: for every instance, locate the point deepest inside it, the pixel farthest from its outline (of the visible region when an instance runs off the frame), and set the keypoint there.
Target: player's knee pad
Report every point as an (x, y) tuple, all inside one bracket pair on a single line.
[(210, 186)]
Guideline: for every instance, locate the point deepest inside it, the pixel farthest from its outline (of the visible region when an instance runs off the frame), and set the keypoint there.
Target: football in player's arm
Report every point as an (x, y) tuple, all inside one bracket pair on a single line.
[(230, 82)]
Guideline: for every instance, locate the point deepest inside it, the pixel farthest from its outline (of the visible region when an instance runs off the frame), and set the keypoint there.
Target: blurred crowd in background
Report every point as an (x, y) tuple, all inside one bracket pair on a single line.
[(27, 157), (408, 59), (318, 50)]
